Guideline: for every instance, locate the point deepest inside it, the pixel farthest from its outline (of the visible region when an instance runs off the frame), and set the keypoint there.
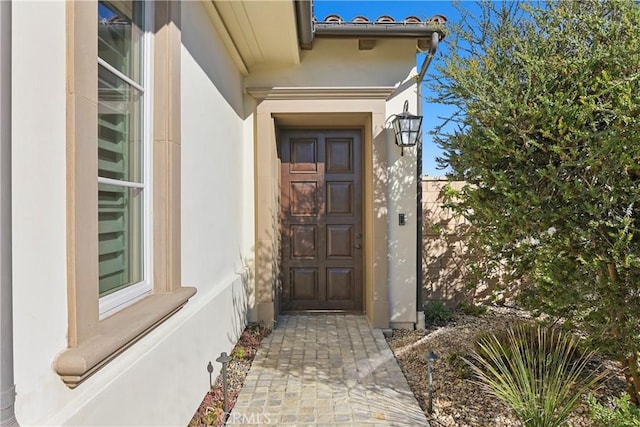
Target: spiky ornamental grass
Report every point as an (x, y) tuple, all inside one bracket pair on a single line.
[(539, 373)]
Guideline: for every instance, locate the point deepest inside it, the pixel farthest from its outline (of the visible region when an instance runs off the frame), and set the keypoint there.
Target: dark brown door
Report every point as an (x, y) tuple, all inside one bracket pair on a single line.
[(321, 220)]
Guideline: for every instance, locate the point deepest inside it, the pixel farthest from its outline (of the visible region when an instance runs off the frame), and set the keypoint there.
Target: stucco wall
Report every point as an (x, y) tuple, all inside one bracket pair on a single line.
[(162, 378), (339, 63), (39, 206), (212, 154), (402, 199)]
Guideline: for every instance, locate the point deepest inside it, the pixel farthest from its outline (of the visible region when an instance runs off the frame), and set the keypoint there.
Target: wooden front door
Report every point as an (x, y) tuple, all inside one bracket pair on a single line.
[(321, 217)]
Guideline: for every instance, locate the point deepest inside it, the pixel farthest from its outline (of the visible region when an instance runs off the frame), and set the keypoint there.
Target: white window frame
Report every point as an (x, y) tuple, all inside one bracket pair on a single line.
[(112, 303)]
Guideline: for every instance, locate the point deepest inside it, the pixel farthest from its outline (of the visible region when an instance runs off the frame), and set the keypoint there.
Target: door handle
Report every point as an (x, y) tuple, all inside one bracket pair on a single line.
[(358, 235), (357, 246)]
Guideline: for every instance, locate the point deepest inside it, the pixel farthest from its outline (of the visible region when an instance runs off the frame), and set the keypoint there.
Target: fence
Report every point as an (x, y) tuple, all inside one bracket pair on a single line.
[(445, 258)]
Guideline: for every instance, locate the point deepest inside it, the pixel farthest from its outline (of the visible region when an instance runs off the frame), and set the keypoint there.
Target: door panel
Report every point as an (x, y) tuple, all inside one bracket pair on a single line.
[(321, 217), (304, 199), (304, 243), (339, 240), (339, 198)]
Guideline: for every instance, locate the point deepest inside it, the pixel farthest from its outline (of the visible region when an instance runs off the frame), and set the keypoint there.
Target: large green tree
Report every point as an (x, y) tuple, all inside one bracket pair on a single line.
[(547, 136)]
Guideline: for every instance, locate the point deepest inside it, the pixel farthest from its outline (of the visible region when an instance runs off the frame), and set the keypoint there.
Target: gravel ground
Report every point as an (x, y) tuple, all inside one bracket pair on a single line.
[(457, 400), (211, 410)]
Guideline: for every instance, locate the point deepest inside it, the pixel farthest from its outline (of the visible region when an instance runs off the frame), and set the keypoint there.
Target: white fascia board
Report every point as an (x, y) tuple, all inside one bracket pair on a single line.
[(213, 13)]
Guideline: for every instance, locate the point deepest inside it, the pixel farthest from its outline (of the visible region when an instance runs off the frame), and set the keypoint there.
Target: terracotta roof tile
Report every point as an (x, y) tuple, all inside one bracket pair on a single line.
[(360, 19), (384, 19), (412, 20), (333, 18), (439, 19)]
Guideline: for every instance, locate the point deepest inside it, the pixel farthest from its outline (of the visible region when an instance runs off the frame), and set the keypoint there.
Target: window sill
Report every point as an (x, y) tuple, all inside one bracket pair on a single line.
[(116, 333)]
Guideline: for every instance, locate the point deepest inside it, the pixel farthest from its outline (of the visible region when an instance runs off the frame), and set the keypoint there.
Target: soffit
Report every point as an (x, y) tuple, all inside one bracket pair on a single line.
[(321, 120), (260, 31), (343, 92)]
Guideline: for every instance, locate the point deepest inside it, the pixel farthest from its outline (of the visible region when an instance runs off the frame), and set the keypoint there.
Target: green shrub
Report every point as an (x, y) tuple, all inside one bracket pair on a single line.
[(473, 309), (617, 412), (436, 313), (457, 363), (539, 373), (239, 353)]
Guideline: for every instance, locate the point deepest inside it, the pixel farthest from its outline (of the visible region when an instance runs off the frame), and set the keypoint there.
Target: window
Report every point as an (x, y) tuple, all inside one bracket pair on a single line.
[(123, 153), (123, 199)]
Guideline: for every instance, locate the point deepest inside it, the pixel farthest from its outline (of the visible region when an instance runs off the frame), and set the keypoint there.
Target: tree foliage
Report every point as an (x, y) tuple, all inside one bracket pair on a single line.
[(548, 140)]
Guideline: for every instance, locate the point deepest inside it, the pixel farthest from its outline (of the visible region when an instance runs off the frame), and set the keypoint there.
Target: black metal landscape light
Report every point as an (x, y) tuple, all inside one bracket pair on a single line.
[(406, 128), (430, 357), (224, 359)]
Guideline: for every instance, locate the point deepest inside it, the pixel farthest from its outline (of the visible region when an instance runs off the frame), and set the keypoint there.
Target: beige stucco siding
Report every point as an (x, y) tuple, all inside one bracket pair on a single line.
[(339, 63), (336, 77), (402, 199), (161, 379)]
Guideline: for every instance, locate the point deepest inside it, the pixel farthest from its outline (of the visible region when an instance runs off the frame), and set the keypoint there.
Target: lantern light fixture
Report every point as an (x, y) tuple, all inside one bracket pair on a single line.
[(406, 128)]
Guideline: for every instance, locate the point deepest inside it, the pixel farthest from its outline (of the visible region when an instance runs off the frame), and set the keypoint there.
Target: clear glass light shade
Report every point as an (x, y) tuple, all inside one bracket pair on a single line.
[(406, 128)]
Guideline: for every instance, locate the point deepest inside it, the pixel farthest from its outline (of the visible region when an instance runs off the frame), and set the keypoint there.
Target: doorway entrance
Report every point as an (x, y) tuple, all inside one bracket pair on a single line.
[(321, 219)]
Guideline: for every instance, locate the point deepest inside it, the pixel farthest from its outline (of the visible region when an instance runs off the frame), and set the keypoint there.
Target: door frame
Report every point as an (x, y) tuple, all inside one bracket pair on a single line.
[(365, 111)]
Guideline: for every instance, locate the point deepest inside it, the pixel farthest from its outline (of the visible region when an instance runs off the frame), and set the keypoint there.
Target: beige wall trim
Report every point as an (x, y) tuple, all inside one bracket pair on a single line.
[(211, 9), (166, 147), (117, 333), (285, 93), (82, 162)]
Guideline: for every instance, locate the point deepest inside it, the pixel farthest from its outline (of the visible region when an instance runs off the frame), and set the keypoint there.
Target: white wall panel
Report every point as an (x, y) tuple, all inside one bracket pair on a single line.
[(402, 198), (212, 153), (39, 205)]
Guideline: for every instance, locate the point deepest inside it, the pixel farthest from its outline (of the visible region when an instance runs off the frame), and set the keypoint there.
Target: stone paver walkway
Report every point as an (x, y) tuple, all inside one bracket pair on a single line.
[(325, 369)]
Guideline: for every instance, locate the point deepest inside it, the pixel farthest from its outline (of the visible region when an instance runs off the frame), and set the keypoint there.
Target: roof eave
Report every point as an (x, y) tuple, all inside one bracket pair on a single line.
[(376, 30)]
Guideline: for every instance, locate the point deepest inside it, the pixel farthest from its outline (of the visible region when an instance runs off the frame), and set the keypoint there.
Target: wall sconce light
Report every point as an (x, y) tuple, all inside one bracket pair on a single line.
[(406, 128)]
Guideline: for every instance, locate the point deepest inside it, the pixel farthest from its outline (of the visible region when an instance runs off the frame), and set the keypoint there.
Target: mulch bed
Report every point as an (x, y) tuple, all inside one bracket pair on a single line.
[(211, 410)]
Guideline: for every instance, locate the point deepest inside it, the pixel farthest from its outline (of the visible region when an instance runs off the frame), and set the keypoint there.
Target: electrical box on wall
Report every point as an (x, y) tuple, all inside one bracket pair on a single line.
[(402, 219)]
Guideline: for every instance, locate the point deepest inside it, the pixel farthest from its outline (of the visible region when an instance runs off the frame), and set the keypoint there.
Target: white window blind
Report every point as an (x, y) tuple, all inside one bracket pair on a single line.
[(123, 188)]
